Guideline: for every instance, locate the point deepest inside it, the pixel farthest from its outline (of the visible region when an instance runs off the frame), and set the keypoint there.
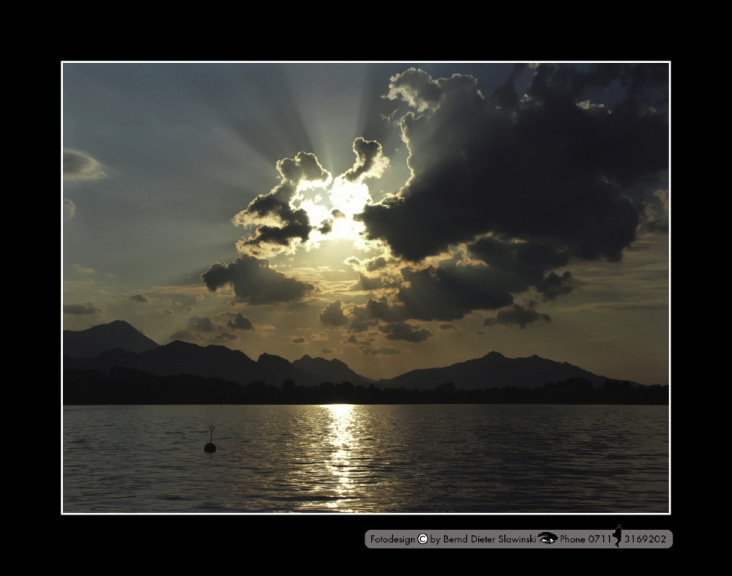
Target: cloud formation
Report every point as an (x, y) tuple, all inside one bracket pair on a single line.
[(69, 208), (370, 160), (81, 309), (239, 322), (333, 314), (543, 169), (381, 351), (204, 330), (277, 221), (505, 191), (518, 314), (371, 314), (450, 291), (254, 282), (405, 331), (81, 166)]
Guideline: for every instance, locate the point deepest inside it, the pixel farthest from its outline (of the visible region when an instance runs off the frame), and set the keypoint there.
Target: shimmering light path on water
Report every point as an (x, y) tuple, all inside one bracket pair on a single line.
[(378, 459)]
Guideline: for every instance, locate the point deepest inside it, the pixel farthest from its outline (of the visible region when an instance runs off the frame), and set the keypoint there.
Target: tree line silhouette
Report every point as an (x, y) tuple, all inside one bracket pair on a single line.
[(129, 386)]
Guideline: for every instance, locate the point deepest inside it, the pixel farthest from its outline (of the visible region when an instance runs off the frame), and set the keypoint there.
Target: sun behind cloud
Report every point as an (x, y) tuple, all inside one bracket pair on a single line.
[(503, 195), (309, 207), (335, 208)]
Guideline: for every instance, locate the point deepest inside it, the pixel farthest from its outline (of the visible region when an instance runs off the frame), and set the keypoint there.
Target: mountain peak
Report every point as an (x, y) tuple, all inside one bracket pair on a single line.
[(117, 334), (270, 359), (117, 323), (333, 370), (181, 344)]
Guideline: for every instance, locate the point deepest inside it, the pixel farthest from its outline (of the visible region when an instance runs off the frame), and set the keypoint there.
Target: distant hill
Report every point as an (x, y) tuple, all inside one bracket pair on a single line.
[(331, 370), (180, 357), (274, 369), (493, 371), (119, 345), (115, 335)]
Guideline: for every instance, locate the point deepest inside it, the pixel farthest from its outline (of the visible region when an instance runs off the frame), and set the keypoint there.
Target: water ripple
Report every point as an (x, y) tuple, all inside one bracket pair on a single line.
[(383, 459)]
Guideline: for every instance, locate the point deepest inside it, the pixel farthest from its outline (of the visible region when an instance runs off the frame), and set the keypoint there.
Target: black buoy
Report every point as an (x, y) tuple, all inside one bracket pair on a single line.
[(210, 448)]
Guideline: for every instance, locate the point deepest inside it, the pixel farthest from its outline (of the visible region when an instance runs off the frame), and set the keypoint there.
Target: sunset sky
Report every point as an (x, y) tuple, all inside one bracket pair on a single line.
[(393, 215)]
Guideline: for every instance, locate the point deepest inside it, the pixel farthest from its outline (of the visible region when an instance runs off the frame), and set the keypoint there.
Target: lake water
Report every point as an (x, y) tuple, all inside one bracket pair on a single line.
[(375, 459)]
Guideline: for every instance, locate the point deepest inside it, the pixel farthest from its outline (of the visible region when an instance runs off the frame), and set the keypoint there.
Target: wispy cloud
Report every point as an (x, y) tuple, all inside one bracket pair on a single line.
[(79, 165)]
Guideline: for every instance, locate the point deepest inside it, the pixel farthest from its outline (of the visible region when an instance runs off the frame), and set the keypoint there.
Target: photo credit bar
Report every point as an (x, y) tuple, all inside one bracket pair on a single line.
[(614, 538)]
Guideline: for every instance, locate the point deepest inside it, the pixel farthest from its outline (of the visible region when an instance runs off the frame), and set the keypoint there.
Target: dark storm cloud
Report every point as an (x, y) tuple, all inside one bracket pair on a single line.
[(506, 96), (548, 170), (141, 298), (405, 331), (81, 309), (367, 316), (296, 225), (648, 83), (445, 292), (299, 340), (530, 259), (517, 314), (239, 322), (367, 282), (450, 291), (361, 320), (525, 264), (382, 310), (291, 223), (376, 264), (333, 314), (255, 282), (554, 285), (455, 287)]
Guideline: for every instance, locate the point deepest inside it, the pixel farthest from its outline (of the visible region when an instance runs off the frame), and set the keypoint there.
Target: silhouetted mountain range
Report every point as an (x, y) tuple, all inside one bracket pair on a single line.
[(119, 345), (494, 370)]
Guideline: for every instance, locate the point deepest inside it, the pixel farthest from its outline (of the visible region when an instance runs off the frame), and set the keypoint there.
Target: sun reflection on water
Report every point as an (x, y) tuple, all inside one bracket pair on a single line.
[(342, 441)]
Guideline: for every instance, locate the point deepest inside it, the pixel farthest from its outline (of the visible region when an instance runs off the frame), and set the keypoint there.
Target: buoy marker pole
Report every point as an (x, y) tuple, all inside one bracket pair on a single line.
[(210, 447)]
